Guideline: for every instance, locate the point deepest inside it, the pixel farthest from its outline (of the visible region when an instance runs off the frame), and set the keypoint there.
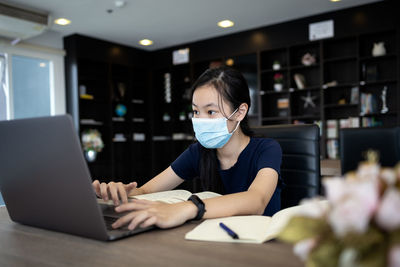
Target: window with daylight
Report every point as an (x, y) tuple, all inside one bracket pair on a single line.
[(31, 81)]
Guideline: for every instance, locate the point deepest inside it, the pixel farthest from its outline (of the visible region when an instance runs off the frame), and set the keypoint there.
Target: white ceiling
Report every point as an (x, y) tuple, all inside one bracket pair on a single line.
[(174, 22)]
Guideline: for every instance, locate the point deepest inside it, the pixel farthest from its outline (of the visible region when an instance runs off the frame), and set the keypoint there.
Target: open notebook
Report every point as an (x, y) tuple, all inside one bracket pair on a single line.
[(170, 196), (250, 229)]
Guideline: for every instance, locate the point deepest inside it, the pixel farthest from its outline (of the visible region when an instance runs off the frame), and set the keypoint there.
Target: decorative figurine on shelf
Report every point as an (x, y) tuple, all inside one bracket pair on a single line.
[(278, 82), (342, 100), (379, 49), (384, 109), (120, 110), (276, 65), (167, 88), (300, 80), (309, 100), (166, 117), (308, 59), (92, 144), (121, 91)]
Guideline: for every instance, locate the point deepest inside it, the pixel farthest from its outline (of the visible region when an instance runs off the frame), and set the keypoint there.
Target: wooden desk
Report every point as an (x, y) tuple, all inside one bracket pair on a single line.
[(28, 246)]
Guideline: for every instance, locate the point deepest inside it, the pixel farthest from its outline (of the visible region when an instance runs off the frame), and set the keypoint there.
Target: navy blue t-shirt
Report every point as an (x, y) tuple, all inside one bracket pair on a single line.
[(259, 153)]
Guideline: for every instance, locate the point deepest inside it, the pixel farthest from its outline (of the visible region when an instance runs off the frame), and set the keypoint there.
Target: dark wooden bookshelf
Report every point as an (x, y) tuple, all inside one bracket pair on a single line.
[(111, 74), (346, 61)]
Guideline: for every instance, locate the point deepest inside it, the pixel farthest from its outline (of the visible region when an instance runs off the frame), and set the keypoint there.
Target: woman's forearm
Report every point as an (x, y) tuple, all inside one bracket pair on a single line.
[(243, 203)]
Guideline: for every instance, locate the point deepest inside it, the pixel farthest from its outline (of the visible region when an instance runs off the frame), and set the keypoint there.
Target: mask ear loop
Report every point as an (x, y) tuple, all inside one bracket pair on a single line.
[(232, 114), (237, 125)]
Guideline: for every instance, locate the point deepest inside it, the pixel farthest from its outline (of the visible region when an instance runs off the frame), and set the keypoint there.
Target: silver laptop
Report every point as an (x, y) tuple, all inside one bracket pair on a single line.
[(45, 181)]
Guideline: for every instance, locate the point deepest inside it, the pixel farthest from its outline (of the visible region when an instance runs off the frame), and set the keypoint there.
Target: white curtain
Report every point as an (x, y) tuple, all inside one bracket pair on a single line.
[(3, 102)]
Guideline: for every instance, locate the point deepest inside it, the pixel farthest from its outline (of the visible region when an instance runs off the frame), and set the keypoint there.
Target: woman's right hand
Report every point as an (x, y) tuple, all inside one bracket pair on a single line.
[(118, 192)]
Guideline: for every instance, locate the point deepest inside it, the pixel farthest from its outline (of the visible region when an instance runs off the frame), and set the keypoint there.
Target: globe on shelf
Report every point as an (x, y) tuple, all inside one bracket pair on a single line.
[(120, 110)]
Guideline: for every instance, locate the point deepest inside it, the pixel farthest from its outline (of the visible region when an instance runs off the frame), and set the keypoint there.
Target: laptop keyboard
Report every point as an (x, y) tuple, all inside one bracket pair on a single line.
[(110, 220)]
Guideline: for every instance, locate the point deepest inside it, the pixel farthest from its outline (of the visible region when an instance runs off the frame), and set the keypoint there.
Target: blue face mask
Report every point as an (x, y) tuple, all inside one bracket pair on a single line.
[(212, 133)]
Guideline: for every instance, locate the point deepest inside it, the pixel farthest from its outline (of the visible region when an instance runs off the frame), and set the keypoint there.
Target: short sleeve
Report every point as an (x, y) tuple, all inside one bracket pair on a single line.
[(186, 166), (270, 156)]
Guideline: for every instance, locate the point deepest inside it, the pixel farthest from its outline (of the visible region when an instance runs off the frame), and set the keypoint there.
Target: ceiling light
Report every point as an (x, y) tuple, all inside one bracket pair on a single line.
[(335, 0), (226, 23), (120, 3), (146, 42), (62, 21)]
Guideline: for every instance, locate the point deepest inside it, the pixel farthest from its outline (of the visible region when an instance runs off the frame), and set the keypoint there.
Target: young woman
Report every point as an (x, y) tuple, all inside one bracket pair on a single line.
[(246, 170)]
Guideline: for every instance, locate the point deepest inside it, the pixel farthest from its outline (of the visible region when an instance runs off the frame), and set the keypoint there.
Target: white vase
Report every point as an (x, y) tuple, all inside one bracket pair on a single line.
[(379, 49), (278, 87), (276, 66), (90, 155)]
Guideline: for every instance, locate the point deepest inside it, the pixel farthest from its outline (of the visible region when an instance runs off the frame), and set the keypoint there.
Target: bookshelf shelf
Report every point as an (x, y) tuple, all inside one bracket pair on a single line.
[(340, 105), (343, 58), (282, 69)]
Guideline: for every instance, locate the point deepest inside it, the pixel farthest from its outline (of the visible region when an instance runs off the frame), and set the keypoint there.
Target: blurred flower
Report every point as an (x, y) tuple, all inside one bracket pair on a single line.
[(359, 226), (394, 257), (388, 176), (388, 214), (278, 77), (314, 208), (353, 203), (303, 248)]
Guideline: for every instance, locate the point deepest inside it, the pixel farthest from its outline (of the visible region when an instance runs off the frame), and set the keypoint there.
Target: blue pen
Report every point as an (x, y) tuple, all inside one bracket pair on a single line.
[(229, 231)]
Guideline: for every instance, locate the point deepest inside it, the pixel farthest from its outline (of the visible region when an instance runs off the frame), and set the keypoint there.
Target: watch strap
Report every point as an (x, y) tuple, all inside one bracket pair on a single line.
[(201, 207)]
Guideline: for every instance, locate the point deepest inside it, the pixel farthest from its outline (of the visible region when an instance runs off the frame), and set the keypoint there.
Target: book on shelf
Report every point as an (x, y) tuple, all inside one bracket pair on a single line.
[(354, 95), (86, 96), (282, 103), (119, 137), (332, 148), (90, 122), (332, 129), (371, 122), (351, 122), (138, 137), (283, 106), (250, 229)]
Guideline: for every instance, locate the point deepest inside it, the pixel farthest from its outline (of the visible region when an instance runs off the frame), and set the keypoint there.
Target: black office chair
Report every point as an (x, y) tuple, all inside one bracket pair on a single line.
[(355, 141), (300, 170)]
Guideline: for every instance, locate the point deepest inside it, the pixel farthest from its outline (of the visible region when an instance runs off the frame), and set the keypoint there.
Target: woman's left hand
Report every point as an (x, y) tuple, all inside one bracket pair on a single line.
[(143, 213)]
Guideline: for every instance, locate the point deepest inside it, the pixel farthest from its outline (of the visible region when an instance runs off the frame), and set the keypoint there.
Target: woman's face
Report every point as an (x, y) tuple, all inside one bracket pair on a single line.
[(205, 104)]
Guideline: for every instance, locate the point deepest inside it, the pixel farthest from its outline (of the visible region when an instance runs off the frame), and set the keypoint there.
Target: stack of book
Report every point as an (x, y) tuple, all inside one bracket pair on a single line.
[(332, 134)]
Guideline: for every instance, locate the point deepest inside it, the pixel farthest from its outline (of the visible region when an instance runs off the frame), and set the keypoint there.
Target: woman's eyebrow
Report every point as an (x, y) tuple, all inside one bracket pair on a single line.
[(208, 105)]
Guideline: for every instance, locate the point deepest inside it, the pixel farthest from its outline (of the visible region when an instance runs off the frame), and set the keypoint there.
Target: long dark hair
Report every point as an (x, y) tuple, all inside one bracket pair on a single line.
[(232, 87)]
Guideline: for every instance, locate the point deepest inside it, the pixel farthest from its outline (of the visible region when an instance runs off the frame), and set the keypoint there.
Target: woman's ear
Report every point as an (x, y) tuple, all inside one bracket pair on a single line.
[(242, 111)]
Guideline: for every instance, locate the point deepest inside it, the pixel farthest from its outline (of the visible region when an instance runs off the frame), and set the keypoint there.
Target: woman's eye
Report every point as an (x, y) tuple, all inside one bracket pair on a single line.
[(211, 112), (195, 112)]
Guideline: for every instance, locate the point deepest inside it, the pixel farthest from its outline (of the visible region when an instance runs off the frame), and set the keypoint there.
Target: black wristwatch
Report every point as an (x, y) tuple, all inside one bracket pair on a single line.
[(201, 207)]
